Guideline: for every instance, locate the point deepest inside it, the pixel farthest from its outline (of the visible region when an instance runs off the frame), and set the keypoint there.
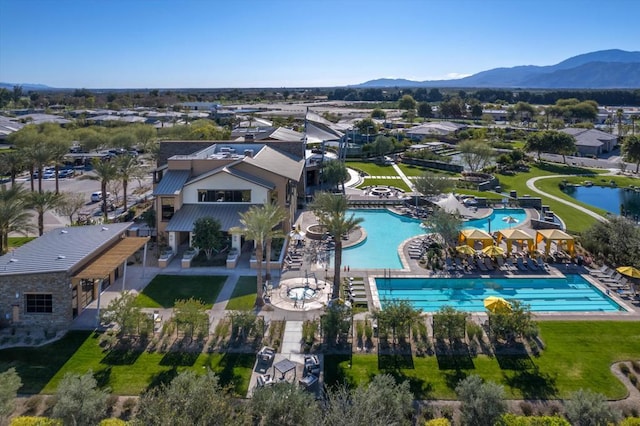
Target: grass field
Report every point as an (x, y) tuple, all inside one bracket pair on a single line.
[(398, 183), (125, 372), (578, 355), (372, 169), (243, 297), (164, 290), (414, 171)]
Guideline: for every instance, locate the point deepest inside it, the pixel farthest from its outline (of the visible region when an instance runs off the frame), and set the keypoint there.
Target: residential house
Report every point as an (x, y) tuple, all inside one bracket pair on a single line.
[(590, 142)]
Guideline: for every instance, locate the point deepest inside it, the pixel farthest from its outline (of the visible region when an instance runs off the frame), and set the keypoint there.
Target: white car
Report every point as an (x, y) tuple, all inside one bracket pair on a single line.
[(97, 196)]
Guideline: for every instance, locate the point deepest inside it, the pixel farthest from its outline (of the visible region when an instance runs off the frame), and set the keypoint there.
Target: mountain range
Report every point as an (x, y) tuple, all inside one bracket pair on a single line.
[(605, 69)]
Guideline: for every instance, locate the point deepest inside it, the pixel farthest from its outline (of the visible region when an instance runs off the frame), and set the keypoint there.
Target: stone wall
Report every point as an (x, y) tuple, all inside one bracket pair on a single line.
[(56, 283)]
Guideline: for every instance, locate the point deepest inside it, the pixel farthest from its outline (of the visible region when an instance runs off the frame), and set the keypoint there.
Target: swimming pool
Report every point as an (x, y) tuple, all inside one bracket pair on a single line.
[(386, 230), (607, 198), (571, 293)]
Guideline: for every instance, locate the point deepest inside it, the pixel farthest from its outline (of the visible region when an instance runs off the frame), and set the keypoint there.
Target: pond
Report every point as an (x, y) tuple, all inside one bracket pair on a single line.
[(619, 201)]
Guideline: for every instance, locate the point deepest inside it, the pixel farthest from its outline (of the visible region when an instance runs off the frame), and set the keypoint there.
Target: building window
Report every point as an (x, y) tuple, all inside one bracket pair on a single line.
[(167, 209), (224, 196), (39, 303)]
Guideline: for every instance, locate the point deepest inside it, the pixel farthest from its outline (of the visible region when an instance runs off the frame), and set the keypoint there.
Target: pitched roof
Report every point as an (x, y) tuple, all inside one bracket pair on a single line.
[(227, 214), (233, 172), (277, 162), (589, 137), (60, 249), (172, 182)]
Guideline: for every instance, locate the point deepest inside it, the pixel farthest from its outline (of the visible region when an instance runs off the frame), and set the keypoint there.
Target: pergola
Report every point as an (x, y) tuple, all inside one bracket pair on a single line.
[(514, 234), (560, 237), (470, 236)]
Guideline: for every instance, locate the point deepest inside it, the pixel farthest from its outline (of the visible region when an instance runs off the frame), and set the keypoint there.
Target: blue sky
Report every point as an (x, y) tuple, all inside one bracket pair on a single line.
[(295, 43)]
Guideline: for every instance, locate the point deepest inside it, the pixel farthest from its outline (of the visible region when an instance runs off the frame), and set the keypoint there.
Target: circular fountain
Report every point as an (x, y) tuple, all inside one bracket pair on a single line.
[(381, 191), (301, 293)]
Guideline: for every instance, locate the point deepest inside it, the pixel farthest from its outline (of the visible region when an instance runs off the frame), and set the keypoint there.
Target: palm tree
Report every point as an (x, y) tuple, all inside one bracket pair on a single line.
[(12, 162), (331, 211), (42, 202), (258, 224), (128, 168), (59, 143), (274, 215), (105, 172), (14, 216)]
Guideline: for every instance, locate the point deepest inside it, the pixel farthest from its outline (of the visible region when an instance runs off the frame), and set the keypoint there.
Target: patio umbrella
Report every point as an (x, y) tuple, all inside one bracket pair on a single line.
[(629, 271), (297, 234), (493, 251), (496, 304), (510, 220), (465, 249)]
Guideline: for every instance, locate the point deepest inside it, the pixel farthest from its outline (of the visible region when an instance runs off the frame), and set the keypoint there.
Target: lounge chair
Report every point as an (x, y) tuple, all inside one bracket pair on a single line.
[(265, 380), (481, 265), (501, 264), (450, 265), (510, 265), (521, 265), (604, 270), (266, 354), (542, 264), (459, 264), (488, 263), (531, 264)]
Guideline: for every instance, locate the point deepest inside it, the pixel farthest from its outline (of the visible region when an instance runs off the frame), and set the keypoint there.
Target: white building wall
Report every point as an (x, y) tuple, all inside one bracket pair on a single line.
[(259, 194)]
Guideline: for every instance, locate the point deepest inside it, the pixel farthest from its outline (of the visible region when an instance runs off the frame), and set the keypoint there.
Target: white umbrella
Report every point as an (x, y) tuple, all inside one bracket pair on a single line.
[(297, 235), (510, 220)]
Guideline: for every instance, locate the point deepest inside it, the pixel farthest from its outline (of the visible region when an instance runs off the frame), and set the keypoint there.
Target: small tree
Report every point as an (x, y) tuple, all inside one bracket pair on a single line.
[(430, 184), (70, 204), (9, 384), (446, 225), (283, 404), (207, 235), (79, 402), (587, 408), (191, 315), (631, 150), (42, 202), (397, 314), (449, 323), (334, 173), (382, 402), (123, 312), (190, 399), (335, 322), (481, 403), (509, 325), (475, 154)]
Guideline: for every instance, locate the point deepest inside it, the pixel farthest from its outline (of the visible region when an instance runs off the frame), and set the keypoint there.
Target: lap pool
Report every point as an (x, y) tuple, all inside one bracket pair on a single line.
[(571, 293)]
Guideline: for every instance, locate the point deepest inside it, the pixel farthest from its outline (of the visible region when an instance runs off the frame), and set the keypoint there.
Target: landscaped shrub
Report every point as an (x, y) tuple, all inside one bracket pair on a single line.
[(113, 422), (474, 331), (34, 421), (624, 369), (437, 422), (128, 406), (630, 421), (513, 420), (32, 404), (633, 379), (112, 400), (526, 408), (636, 366)]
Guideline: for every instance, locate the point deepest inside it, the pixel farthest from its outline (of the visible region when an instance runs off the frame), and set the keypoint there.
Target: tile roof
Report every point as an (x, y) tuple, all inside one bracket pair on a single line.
[(227, 214), (172, 182), (61, 249)]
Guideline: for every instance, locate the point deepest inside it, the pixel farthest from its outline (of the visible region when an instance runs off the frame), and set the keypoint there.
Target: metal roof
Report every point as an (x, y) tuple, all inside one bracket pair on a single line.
[(112, 258), (227, 214), (172, 182), (61, 249), (276, 162)]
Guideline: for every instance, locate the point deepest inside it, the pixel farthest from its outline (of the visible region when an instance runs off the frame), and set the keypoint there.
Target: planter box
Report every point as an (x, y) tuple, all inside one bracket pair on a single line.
[(165, 259), (232, 260), (187, 257)]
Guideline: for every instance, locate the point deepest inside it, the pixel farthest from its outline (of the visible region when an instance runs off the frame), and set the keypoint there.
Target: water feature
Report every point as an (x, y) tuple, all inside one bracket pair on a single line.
[(301, 293), (615, 200)]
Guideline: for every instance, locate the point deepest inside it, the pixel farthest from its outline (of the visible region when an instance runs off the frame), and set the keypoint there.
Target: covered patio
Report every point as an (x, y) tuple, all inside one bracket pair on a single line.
[(519, 236), (561, 238), (473, 235)]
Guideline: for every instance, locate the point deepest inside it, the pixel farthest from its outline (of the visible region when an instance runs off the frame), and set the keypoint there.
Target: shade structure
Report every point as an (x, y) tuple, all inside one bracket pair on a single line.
[(297, 234), (465, 249), (470, 236), (497, 304), (518, 235), (493, 251), (510, 220), (560, 237), (629, 271)]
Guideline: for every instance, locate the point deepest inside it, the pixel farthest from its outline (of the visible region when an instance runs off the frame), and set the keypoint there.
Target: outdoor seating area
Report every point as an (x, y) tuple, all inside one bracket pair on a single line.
[(354, 291), (614, 280), (311, 372), (419, 246)]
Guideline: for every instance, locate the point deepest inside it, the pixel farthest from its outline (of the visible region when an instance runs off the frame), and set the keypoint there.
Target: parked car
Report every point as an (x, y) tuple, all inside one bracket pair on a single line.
[(45, 171), (66, 173), (97, 196)]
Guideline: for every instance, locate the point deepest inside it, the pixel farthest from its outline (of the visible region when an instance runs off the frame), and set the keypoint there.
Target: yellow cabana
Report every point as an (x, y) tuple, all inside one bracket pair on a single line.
[(470, 236), (549, 235), (514, 234)]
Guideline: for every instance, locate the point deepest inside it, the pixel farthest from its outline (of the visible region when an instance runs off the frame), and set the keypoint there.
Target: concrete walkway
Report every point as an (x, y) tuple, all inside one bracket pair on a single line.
[(531, 185), (291, 341), (404, 177)]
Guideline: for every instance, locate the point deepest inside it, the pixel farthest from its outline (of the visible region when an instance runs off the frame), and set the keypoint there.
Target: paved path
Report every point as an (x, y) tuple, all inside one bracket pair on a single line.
[(404, 177), (531, 185)]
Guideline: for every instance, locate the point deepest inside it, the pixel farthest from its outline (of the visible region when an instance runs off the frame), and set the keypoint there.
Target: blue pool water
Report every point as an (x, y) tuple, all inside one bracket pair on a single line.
[(569, 294), (607, 198), (386, 230)]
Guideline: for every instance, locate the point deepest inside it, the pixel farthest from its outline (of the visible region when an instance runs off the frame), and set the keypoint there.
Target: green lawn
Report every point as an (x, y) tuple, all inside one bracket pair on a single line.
[(577, 355), (243, 297), (126, 373), (15, 242), (414, 171), (398, 183), (372, 169), (164, 290)]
